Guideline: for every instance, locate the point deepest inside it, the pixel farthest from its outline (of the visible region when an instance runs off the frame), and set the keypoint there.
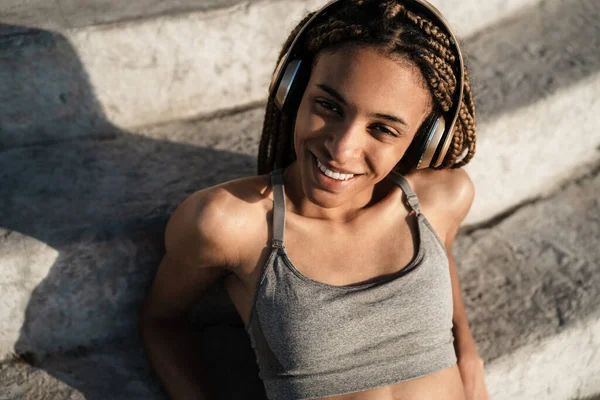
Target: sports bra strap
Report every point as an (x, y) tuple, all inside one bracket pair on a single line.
[(278, 207), (411, 197)]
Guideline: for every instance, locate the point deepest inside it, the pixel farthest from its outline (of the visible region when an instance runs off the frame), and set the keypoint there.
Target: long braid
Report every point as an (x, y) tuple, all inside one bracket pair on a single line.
[(388, 25), (464, 131), (443, 90), (467, 119)]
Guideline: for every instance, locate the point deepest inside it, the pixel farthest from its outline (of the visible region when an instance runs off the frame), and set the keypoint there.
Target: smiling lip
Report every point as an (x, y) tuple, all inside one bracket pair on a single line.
[(332, 169), (329, 182)]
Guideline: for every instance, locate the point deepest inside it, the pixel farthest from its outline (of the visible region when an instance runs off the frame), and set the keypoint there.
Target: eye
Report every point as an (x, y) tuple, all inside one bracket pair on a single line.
[(384, 130), (327, 105)]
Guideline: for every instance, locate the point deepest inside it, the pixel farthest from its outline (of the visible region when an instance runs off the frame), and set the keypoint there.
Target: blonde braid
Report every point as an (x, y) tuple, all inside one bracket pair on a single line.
[(443, 85)]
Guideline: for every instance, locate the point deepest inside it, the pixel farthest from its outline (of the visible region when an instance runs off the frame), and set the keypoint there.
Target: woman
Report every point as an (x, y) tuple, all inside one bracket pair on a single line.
[(347, 290)]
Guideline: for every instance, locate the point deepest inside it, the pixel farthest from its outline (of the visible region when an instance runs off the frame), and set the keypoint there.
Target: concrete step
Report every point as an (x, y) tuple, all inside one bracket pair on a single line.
[(77, 82), (64, 76), (531, 287), (21, 381), (82, 225), (64, 15), (531, 284), (535, 77)]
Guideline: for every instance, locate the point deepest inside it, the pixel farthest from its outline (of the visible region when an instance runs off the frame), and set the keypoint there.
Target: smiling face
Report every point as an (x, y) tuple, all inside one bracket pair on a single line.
[(358, 115)]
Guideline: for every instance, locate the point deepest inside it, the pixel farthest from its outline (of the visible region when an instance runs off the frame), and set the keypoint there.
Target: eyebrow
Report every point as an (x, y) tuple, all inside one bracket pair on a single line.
[(331, 91)]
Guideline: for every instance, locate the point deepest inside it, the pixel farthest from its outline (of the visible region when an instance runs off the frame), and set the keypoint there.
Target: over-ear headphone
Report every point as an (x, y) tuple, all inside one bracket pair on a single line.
[(430, 146)]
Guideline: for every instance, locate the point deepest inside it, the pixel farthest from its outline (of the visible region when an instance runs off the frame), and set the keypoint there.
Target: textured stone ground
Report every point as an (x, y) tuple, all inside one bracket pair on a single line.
[(69, 14), (19, 380), (531, 286), (81, 228)]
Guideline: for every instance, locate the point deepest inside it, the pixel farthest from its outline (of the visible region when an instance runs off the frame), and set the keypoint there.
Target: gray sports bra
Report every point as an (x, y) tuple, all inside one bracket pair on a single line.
[(313, 339)]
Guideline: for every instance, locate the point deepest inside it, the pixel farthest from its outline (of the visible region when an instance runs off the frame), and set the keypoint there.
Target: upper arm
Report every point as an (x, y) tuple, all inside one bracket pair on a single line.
[(195, 257), (446, 197), (458, 197)]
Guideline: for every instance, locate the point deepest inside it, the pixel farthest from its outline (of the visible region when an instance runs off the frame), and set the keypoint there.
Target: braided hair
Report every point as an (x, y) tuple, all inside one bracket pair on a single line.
[(387, 25)]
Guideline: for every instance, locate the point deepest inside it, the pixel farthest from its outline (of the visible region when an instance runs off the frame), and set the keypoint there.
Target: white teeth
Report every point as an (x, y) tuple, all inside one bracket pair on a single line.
[(333, 175)]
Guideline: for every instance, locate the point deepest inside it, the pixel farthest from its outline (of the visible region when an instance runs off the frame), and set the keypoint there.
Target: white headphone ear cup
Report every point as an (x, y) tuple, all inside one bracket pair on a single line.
[(288, 79), (432, 142)]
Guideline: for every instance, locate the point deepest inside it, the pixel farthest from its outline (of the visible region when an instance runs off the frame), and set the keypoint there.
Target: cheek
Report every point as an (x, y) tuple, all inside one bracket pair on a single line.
[(385, 158), (308, 125), (299, 127)]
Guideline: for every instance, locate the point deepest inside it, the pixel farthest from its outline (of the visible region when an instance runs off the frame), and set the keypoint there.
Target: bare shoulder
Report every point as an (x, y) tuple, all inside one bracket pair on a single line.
[(213, 226), (207, 235), (446, 197)]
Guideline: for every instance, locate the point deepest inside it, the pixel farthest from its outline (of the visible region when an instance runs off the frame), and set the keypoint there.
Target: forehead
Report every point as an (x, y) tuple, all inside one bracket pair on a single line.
[(367, 77)]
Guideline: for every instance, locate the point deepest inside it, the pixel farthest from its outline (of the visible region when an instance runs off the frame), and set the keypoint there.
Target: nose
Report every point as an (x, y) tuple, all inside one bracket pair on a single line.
[(346, 143)]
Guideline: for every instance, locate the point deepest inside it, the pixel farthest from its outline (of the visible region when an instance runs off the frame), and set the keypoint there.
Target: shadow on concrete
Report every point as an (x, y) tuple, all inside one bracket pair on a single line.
[(101, 201), (535, 54)]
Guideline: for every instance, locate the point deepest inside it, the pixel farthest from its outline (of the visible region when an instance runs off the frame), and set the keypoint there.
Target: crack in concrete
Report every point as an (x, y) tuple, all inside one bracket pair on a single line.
[(224, 113), (498, 219)]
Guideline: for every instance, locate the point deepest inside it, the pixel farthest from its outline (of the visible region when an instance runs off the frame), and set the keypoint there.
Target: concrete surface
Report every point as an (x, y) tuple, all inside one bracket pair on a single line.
[(81, 231), (530, 284), (21, 381), (535, 79), (565, 366), (62, 15), (160, 69), (140, 72)]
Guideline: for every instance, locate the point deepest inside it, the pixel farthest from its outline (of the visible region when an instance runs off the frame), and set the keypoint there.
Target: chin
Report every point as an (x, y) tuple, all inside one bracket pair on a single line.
[(320, 193)]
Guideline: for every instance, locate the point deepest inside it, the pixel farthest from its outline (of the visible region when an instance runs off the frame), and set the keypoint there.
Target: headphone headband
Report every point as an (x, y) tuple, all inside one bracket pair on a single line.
[(283, 79)]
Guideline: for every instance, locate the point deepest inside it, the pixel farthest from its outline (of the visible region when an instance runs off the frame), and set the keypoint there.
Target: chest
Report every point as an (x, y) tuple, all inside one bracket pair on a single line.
[(363, 253), (354, 255)]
